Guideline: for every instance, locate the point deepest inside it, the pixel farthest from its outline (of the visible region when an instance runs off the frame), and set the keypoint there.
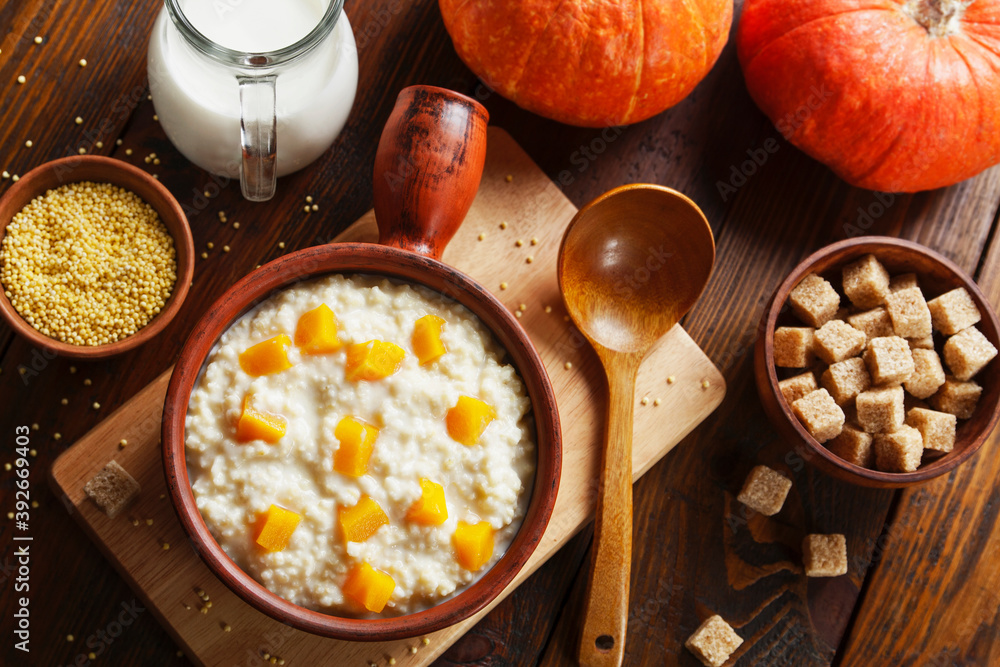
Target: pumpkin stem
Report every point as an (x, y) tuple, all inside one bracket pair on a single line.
[(940, 18)]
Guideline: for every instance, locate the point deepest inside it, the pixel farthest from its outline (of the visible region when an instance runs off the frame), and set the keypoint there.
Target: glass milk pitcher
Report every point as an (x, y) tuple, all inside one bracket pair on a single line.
[(252, 88)]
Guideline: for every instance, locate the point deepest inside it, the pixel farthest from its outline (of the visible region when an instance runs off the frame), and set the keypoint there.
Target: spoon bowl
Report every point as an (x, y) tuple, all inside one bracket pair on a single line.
[(632, 263)]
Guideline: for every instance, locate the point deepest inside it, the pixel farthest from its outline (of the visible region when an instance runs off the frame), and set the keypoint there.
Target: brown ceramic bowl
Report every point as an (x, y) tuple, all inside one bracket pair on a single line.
[(415, 221), (100, 169), (937, 275)]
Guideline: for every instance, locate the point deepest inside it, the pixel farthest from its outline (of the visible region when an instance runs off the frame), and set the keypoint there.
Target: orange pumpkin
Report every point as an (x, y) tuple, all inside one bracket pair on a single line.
[(594, 63), (892, 95)]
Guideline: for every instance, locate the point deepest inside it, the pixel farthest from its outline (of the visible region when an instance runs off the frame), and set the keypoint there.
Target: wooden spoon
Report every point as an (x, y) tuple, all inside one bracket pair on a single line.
[(632, 263)]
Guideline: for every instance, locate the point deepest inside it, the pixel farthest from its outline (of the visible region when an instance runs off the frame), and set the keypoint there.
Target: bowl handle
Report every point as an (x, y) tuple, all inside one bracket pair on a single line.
[(427, 168)]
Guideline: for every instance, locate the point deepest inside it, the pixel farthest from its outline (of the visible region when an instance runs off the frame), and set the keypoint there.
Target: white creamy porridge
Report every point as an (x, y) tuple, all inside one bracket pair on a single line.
[(236, 482)]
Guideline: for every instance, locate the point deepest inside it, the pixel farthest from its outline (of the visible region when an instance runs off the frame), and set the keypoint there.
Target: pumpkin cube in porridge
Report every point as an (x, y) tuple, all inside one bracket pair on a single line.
[(814, 300), (430, 508), (909, 313), (316, 331), (360, 522), (837, 340), (426, 339), (357, 442), (274, 528), (267, 357), (820, 414), (765, 490), (713, 642), (373, 360), (928, 373), (473, 544), (854, 446), (873, 323), (866, 282), (254, 424), (796, 387), (967, 352), (793, 347), (903, 281), (846, 379), (880, 410), (824, 555), (953, 311), (889, 360), (936, 428), (468, 419), (957, 398), (899, 451), (369, 587)]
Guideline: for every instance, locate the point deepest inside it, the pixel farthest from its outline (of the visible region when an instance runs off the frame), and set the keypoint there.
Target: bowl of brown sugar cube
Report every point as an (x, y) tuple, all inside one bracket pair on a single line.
[(875, 361)]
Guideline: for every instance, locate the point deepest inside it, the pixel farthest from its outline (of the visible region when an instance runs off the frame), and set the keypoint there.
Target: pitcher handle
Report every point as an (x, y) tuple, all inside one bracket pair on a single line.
[(258, 137)]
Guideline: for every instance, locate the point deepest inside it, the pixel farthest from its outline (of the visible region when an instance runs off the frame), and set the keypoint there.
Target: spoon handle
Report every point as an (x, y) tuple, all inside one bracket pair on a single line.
[(606, 607)]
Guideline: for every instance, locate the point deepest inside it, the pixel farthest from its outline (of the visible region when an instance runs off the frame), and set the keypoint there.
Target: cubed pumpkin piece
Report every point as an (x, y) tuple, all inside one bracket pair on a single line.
[(369, 587), (427, 343), (259, 425), (275, 528), (468, 419), (361, 521), (316, 332), (268, 357), (430, 508), (357, 440), (473, 544), (373, 360)]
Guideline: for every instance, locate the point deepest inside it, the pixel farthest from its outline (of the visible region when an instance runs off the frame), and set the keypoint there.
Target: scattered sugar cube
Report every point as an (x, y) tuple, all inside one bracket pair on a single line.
[(936, 428), (765, 490), (899, 451), (837, 340), (866, 282), (793, 347), (113, 489), (953, 311), (824, 555), (957, 398), (925, 343), (889, 360), (713, 642), (903, 281), (854, 446), (909, 313), (880, 410), (928, 373), (820, 414), (874, 323), (967, 352), (796, 387), (814, 300), (846, 379)]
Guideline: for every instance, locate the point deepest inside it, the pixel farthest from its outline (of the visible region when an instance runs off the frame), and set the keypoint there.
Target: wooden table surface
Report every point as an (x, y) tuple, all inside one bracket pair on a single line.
[(923, 582)]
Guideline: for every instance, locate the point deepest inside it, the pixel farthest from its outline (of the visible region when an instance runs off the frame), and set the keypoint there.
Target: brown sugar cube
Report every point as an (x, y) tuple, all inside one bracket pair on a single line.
[(713, 642), (837, 340), (854, 446), (936, 428), (957, 398), (796, 387), (899, 451), (793, 347), (874, 323), (928, 373), (903, 281), (846, 379), (967, 352), (953, 311), (824, 555), (889, 360), (814, 300), (820, 414), (765, 490), (866, 282), (925, 343), (880, 410), (909, 313), (112, 489)]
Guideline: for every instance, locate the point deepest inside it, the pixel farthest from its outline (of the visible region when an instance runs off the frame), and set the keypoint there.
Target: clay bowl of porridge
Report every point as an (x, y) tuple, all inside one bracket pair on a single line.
[(361, 441)]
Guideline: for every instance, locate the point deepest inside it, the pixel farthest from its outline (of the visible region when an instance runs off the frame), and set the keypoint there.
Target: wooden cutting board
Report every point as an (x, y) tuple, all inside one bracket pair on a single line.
[(509, 242)]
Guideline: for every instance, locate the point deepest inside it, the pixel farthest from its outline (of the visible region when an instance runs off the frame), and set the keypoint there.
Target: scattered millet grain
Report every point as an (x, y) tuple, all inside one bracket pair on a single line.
[(503, 285), (78, 120), (38, 39), (519, 243), (83, 62), (21, 79), (568, 365), (87, 382), (529, 259), (645, 400), (503, 225)]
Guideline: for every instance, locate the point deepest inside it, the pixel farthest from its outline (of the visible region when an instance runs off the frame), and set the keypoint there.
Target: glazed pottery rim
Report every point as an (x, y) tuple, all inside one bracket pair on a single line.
[(46, 176), (369, 259), (930, 470)]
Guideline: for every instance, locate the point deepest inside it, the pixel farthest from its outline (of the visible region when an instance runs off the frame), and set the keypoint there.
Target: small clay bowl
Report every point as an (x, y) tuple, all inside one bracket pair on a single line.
[(101, 169), (937, 275)]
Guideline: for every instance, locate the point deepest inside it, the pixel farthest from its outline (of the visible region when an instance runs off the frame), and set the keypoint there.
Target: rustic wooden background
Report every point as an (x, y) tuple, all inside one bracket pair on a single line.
[(923, 582)]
